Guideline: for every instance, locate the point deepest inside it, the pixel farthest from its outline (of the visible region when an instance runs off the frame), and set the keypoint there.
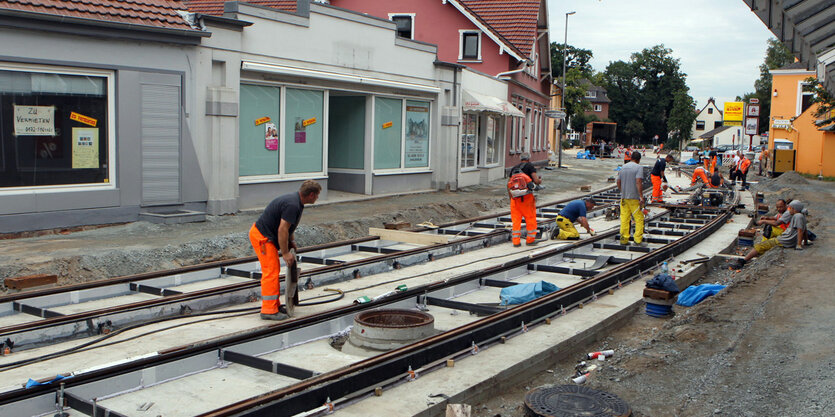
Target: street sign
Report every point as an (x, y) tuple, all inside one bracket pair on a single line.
[(753, 110), (555, 114), (752, 125), (753, 101)]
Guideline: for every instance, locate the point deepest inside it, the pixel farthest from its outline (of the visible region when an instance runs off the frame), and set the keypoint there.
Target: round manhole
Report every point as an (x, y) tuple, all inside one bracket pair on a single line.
[(574, 401), (383, 330)]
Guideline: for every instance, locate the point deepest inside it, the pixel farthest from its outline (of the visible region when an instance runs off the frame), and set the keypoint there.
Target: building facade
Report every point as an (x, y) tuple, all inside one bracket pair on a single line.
[(708, 119)]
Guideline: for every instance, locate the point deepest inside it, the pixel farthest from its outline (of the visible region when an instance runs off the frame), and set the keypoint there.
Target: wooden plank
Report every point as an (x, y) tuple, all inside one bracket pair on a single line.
[(408, 237), (29, 281)]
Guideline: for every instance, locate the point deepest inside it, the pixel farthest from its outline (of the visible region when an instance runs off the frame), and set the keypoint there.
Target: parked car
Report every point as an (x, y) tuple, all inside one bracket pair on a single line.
[(691, 148)]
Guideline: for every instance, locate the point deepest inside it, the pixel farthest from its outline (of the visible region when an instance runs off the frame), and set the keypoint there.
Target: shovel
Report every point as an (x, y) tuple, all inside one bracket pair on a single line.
[(291, 294)]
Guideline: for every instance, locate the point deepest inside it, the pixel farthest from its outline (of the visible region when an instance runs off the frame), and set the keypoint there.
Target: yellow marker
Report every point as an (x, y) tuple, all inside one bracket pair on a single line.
[(80, 118), (387, 125), (309, 122), (262, 120)]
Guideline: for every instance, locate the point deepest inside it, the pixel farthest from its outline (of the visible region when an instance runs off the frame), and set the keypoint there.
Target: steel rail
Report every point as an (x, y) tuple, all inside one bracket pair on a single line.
[(100, 314), (594, 285)]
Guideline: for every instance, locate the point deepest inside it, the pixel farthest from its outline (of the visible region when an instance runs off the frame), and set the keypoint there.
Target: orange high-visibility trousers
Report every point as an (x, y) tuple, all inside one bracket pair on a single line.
[(523, 207), (699, 174), (270, 270), (656, 189), (712, 165)]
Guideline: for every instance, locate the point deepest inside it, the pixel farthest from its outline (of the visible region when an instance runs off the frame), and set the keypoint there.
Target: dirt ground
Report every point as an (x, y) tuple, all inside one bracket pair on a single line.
[(761, 347), (138, 247)]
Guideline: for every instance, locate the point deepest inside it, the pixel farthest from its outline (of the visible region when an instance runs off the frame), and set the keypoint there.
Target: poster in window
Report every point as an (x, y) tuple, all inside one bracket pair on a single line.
[(417, 134), (300, 132), (271, 137), (85, 148), (34, 120), (491, 149)]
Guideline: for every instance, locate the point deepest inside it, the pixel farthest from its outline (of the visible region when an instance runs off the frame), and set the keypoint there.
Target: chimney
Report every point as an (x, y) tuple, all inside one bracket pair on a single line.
[(303, 8)]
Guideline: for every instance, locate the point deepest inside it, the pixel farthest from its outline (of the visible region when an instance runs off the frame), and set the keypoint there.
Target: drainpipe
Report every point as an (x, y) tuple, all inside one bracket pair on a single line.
[(502, 74)]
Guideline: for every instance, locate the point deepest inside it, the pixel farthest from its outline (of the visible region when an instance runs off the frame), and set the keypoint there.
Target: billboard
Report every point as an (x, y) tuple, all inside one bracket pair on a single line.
[(734, 111)]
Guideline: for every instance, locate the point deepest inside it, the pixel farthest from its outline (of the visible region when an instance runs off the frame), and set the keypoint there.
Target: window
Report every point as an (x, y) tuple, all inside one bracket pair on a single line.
[(469, 134), (270, 146), (591, 94), (492, 141), (807, 94), (598, 107), (513, 131), (417, 134), (470, 46), (405, 24), (710, 110), (55, 128), (718, 124), (388, 127), (700, 125)]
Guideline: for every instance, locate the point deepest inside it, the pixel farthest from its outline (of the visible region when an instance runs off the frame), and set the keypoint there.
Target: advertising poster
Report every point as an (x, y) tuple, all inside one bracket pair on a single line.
[(733, 113), (271, 137), (752, 125), (85, 147), (34, 120), (301, 134), (417, 134)]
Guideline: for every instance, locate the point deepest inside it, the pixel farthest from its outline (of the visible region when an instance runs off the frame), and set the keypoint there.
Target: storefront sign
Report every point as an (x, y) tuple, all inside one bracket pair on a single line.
[(271, 137), (80, 118), (85, 148), (262, 120), (782, 124), (733, 113), (417, 134), (387, 125), (309, 122), (34, 120)]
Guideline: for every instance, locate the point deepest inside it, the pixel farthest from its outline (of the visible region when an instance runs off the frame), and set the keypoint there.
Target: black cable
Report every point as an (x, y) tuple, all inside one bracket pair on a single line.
[(313, 303)]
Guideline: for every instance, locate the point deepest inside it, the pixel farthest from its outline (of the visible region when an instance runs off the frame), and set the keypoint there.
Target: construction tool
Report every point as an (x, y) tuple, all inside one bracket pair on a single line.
[(291, 294)]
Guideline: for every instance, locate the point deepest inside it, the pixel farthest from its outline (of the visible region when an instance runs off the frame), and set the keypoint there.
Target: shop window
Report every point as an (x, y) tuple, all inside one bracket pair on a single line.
[(469, 135), (388, 128), (304, 133), (492, 141), (259, 126), (470, 46), (405, 25), (417, 134), (54, 129)]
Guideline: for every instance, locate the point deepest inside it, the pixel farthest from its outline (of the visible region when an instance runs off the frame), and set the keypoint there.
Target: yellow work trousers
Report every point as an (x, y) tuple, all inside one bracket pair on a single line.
[(567, 229), (629, 210)]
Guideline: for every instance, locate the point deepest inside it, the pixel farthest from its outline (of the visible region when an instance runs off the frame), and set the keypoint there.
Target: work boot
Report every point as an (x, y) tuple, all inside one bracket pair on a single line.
[(531, 243), (281, 315), (516, 245), (624, 242), (642, 244)]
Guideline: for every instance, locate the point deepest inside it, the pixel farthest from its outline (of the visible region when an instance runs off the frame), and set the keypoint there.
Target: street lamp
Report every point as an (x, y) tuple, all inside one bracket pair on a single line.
[(562, 94)]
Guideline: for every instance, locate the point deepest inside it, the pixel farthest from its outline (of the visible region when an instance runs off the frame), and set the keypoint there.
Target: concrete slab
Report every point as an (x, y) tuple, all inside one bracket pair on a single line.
[(103, 303), (211, 283)]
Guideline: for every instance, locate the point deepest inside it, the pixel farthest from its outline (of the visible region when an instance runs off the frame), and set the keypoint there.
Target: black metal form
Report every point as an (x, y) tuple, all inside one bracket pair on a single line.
[(89, 408), (479, 309), (496, 283), (147, 289), (35, 311), (563, 270), (266, 365)]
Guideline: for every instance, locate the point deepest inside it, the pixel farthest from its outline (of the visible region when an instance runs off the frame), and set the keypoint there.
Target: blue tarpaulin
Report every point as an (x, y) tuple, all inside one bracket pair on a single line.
[(32, 383), (695, 294), (691, 161), (584, 155), (522, 293)]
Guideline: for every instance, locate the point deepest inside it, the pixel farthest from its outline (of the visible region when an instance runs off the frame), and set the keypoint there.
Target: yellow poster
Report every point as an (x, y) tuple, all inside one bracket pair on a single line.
[(733, 114), (85, 148)]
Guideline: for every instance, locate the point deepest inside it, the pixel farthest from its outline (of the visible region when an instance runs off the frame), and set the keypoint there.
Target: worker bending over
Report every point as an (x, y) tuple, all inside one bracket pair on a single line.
[(715, 180), (522, 201), (575, 211), (793, 237), (776, 224), (630, 183), (273, 234), (657, 176)]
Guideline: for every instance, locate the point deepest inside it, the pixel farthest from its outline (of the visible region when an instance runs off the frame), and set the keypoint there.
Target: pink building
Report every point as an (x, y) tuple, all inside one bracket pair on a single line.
[(504, 39)]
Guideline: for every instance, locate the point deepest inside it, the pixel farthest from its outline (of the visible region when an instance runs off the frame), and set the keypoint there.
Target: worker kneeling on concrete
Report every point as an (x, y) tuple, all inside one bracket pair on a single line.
[(520, 185), (575, 211), (631, 185), (272, 231), (793, 237), (700, 174)]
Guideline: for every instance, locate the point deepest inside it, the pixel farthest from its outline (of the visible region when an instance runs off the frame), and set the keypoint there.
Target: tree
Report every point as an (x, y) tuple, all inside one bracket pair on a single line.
[(643, 90), (825, 101), (681, 118), (576, 58), (777, 55), (576, 103), (634, 130)]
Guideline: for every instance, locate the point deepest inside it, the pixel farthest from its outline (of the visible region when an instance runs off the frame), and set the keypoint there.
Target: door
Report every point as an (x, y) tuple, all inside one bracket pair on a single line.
[(160, 134)]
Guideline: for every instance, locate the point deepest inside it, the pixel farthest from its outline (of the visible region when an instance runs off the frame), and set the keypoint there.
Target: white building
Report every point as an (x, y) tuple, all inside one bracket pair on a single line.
[(709, 118)]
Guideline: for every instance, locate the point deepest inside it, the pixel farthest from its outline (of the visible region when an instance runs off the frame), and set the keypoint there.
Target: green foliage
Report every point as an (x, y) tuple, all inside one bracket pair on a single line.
[(634, 129), (682, 116), (643, 90), (575, 58), (824, 98)]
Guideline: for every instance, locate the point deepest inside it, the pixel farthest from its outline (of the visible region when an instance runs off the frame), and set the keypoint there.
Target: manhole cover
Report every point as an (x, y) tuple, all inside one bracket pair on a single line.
[(574, 401)]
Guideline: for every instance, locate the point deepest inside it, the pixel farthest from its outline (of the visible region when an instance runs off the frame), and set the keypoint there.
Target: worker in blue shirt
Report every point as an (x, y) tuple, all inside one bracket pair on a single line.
[(574, 211)]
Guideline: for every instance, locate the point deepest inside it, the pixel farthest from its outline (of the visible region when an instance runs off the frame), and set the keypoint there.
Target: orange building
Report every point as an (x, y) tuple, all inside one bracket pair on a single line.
[(792, 118)]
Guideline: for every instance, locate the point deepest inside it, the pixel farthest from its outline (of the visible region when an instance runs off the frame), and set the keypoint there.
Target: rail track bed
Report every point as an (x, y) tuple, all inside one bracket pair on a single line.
[(310, 364)]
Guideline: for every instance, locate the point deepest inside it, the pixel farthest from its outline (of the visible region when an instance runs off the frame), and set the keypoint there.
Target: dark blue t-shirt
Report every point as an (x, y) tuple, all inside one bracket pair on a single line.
[(574, 210), (288, 207), (658, 168)]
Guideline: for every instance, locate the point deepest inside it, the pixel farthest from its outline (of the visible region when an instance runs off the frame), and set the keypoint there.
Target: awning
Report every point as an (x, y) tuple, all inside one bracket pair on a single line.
[(480, 102)]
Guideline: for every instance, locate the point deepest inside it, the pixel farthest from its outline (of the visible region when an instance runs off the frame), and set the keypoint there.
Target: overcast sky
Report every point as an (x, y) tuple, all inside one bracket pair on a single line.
[(720, 43)]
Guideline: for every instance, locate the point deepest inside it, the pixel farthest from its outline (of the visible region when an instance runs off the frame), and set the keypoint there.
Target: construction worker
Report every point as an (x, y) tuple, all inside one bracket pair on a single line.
[(630, 183), (700, 173), (777, 224), (793, 237), (523, 206), (742, 170), (712, 160), (657, 176), (274, 231), (574, 211)]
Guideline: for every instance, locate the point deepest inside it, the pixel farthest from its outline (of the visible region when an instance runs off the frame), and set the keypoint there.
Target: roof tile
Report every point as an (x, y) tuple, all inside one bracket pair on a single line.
[(215, 7), (157, 13)]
